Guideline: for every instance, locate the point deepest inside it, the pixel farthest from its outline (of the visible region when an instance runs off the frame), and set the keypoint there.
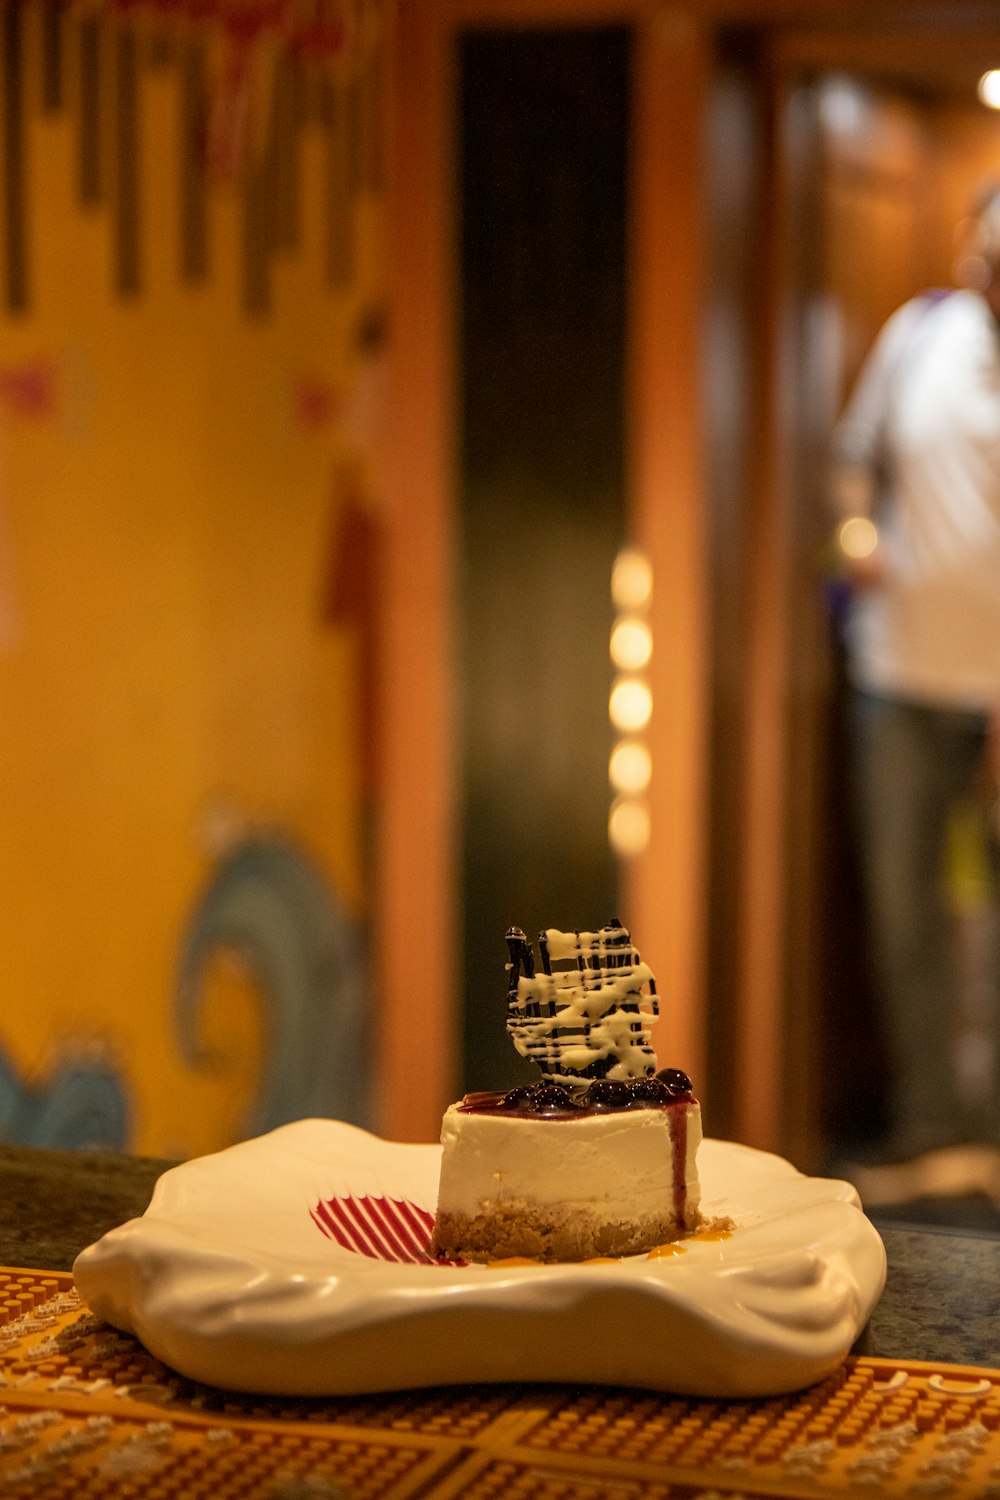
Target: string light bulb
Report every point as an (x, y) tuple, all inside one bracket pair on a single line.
[(628, 825), (630, 706), (631, 580), (631, 643), (988, 88), (630, 768)]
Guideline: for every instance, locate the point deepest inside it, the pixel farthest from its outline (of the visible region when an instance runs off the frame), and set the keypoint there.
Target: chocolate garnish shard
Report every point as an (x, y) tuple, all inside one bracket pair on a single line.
[(522, 960), (585, 1016)]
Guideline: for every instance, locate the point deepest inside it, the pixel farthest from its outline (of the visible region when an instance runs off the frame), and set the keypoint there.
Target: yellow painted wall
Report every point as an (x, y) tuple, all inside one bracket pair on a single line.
[(165, 537)]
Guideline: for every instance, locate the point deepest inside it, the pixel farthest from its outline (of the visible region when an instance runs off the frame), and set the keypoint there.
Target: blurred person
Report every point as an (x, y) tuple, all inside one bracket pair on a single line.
[(916, 487)]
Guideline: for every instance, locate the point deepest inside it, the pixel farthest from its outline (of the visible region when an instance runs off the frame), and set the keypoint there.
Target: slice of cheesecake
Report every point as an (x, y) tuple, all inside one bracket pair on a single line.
[(554, 1174)]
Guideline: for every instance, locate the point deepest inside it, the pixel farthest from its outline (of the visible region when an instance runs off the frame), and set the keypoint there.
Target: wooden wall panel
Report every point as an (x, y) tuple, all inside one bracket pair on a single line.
[(417, 896), (665, 886), (732, 287), (182, 731)]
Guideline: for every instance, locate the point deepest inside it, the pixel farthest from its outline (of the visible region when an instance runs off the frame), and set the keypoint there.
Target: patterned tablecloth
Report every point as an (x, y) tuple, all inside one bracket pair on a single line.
[(86, 1412)]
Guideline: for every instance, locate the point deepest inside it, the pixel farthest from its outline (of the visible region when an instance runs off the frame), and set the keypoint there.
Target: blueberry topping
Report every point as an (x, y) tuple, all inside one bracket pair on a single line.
[(650, 1091), (676, 1081), (601, 1094), (607, 1093), (520, 1097), (550, 1096)]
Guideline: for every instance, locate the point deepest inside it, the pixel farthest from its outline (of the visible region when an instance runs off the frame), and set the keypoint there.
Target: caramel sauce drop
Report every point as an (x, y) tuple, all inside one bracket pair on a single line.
[(660, 1252), (512, 1260)]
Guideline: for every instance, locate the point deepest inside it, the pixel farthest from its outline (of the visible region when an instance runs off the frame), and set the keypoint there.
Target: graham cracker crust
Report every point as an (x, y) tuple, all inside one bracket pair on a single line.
[(517, 1229)]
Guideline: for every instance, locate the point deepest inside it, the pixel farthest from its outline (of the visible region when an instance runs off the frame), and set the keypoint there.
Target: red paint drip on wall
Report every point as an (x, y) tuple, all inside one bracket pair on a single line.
[(29, 389)]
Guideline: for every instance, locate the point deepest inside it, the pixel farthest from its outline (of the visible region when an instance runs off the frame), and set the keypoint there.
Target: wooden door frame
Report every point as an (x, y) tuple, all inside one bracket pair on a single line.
[(776, 1010), (417, 881), (776, 1004), (665, 889)]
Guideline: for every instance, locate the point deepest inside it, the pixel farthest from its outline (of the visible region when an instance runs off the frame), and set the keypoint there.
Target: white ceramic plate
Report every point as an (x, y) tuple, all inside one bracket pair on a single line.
[(244, 1273)]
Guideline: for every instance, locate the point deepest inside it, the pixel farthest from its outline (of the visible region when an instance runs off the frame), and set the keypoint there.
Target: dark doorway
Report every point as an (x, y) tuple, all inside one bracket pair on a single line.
[(543, 135)]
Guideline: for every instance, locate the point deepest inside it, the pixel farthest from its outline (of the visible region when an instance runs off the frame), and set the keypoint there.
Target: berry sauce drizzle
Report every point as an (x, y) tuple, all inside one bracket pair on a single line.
[(679, 1138)]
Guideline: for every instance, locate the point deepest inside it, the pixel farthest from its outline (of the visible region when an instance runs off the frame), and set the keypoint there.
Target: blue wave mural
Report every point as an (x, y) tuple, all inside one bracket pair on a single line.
[(81, 1105), (268, 902)]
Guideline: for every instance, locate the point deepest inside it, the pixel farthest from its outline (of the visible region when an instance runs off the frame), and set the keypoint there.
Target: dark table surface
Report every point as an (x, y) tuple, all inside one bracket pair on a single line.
[(941, 1302)]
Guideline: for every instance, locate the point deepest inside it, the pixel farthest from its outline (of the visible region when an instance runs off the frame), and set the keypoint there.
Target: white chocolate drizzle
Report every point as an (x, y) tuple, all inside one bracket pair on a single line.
[(585, 1016)]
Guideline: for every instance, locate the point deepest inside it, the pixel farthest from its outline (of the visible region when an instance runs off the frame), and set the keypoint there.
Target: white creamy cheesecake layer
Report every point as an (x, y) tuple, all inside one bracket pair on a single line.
[(618, 1164)]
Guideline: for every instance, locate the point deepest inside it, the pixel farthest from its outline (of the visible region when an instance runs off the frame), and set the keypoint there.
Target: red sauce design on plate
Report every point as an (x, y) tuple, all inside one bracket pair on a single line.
[(390, 1229)]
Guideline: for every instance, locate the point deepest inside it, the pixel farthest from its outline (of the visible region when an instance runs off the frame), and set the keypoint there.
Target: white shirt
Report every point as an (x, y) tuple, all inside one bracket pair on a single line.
[(928, 402)]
